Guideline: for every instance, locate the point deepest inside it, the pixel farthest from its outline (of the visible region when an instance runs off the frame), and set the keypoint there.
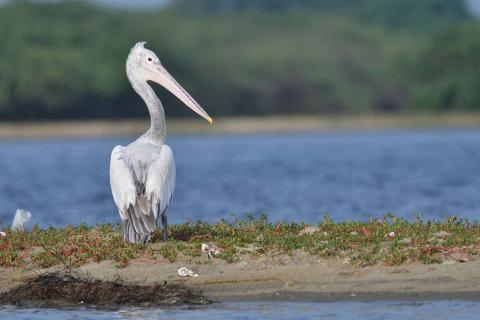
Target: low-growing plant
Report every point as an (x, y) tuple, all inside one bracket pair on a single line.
[(387, 241)]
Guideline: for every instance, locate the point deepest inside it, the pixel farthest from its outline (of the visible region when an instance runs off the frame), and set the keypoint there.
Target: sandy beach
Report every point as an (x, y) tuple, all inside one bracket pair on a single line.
[(236, 125), (252, 259), (289, 277)]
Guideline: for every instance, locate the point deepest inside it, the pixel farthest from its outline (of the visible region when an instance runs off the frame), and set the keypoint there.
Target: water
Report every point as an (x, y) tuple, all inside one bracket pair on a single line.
[(294, 177), (450, 309)]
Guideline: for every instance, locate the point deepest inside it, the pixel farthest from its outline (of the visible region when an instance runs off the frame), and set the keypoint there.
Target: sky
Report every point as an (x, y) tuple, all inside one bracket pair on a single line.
[(474, 7)]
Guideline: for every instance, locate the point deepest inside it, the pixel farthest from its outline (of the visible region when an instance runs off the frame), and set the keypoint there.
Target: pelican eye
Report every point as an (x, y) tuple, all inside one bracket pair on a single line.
[(149, 59)]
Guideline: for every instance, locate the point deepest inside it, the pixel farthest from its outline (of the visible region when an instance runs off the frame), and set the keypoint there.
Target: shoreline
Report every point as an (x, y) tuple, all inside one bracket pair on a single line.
[(302, 280), (386, 259), (235, 125)]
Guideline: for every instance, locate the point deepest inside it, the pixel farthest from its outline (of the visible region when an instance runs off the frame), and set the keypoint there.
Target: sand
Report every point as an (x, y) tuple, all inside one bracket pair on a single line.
[(286, 277), (236, 125)]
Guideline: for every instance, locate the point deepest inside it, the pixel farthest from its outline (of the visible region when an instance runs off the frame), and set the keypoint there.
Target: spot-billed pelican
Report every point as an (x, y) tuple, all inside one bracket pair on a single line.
[(142, 174)]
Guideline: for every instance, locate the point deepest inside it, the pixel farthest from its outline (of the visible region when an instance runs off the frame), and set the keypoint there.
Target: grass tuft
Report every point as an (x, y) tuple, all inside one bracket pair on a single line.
[(386, 241)]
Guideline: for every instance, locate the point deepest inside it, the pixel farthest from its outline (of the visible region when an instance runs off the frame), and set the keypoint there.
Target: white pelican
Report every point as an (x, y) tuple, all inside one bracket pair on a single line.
[(142, 174)]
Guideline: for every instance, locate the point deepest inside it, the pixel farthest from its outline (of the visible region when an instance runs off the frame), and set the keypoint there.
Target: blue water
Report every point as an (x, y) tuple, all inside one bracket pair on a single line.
[(348, 175), (449, 309), (295, 177)]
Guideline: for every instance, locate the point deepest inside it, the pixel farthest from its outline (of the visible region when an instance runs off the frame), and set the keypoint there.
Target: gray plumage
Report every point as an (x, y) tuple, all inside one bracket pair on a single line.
[(142, 174)]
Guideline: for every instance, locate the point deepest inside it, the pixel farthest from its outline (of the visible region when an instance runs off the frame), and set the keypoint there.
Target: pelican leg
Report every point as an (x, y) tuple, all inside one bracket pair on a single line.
[(126, 227), (165, 225)]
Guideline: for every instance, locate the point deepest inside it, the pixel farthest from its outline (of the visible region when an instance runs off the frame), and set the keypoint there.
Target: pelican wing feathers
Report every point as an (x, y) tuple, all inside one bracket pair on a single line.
[(142, 178)]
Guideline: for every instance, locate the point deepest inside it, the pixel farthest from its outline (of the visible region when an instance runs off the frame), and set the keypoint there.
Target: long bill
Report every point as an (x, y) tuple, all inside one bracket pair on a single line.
[(163, 78)]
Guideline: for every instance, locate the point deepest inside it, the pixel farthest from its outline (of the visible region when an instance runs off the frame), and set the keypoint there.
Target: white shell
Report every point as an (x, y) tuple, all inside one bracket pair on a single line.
[(205, 247), (185, 272), (211, 251)]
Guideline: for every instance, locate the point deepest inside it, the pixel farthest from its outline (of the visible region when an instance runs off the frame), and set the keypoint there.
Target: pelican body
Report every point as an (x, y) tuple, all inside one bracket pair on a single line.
[(142, 174)]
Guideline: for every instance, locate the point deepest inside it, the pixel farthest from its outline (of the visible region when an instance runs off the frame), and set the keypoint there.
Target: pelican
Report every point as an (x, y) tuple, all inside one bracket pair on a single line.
[(142, 174)]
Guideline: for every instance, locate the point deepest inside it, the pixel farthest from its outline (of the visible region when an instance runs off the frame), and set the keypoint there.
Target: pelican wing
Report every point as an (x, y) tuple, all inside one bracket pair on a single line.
[(142, 189), (160, 181), (122, 181)]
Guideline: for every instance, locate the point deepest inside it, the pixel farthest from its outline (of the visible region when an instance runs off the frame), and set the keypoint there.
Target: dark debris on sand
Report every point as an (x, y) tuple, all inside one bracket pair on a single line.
[(58, 287)]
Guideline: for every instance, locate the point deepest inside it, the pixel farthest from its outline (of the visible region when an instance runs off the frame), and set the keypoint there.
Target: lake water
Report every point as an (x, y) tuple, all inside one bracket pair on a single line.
[(449, 309), (349, 175)]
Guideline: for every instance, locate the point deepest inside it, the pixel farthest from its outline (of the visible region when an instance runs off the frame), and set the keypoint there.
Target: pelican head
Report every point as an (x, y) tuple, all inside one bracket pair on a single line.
[(144, 65)]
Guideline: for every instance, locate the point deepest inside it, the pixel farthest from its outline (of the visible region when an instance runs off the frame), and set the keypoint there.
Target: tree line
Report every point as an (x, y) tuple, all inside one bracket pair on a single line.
[(248, 57)]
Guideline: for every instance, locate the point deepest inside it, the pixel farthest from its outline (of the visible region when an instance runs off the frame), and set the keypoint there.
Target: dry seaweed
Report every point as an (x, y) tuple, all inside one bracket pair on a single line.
[(66, 288)]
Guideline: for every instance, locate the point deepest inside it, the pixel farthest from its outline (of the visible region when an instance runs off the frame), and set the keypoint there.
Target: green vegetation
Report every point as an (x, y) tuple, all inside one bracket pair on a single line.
[(388, 241), (242, 57)]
